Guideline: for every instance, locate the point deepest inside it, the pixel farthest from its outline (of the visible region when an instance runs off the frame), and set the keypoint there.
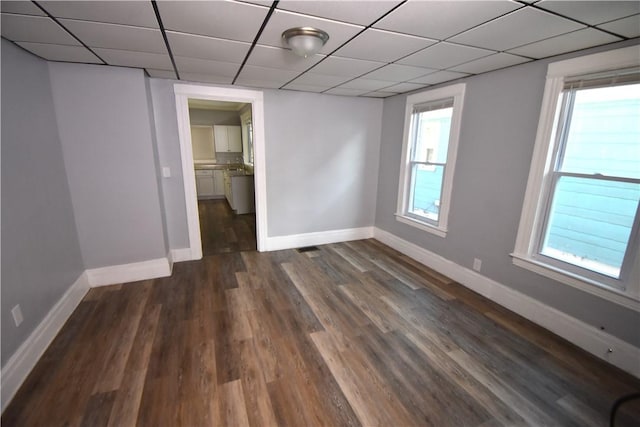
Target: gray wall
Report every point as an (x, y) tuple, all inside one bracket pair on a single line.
[(40, 251), (213, 117), (321, 161), (103, 118), (499, 123)]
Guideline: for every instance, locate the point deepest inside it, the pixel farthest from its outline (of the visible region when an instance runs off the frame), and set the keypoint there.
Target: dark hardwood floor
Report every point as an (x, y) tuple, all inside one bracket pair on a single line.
[(348, 334), (222, 231)]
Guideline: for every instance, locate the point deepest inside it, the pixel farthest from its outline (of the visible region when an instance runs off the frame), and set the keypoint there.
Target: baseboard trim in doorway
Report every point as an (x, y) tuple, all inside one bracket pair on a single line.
[(317, 238), (599, 343), (18, 367), (151, 269)]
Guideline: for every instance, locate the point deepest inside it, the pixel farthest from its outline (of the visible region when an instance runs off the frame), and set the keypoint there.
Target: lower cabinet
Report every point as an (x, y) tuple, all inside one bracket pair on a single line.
[(239, 191), (209, 183)]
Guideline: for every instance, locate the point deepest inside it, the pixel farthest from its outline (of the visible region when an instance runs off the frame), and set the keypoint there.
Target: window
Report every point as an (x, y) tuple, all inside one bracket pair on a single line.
[(432, 125), (580, 220)]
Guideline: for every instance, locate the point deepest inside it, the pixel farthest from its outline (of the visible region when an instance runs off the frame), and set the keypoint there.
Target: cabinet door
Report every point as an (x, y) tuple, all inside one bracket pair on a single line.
[(204, 186), (234, 137), (218, 183), (221, 138)]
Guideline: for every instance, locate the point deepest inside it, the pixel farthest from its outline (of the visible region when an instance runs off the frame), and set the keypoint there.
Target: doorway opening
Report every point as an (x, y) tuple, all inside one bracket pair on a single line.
[(221, 219)]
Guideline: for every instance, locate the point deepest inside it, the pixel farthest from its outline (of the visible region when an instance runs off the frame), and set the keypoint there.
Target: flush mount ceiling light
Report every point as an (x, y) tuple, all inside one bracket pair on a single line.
[(305, 41)]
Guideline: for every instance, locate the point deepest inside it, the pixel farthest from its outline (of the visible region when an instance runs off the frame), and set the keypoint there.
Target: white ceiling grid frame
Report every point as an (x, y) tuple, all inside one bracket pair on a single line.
[(382, 46), (35, 29), (133, 13)]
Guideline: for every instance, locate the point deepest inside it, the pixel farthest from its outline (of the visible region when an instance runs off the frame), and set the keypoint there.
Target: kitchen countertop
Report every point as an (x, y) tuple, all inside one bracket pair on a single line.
[(217, 166)]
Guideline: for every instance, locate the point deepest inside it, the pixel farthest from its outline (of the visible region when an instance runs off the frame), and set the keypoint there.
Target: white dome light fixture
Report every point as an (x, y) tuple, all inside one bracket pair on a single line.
[(305, 41)]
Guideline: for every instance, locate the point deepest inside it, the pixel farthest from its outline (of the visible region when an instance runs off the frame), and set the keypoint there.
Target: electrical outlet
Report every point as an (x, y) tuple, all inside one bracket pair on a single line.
[(477, 264), (166, 172), (17, 315)]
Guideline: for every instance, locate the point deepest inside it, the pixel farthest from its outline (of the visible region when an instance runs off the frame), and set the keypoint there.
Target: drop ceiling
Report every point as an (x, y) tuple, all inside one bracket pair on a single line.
[(376, 48)]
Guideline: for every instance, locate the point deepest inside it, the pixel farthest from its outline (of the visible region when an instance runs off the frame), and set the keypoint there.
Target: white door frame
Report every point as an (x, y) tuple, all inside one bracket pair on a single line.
[(185, 91)]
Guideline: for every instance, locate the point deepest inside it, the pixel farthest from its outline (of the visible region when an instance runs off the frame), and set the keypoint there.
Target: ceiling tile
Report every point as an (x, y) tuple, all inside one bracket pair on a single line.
[(206, 66), (128, 58), (316, 79), (627, 27), (21, 7), (522, 27), (257, 83), (277, 57), (115, 36), (59, 52), (438, 77), (346, 92), (346, 67), (271, 76), (379, 94), (488, 63), (205, 78), (222, 19), (383, 46), (592, 12), (366, 84), (36, 29), (362, 12), (444, 55), (280, 21), (404, 87), (443, 19), (204, 47), (398, 73), (136, 13), (306, 88), (163, 74), (565, 43)]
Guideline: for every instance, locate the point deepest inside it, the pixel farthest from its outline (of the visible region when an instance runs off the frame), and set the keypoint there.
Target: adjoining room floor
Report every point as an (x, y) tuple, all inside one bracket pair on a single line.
[(222, 231), (343, 334)]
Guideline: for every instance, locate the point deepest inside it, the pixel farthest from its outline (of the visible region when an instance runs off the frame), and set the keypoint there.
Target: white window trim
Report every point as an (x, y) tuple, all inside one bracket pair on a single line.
[(457, 93), (532, 215)]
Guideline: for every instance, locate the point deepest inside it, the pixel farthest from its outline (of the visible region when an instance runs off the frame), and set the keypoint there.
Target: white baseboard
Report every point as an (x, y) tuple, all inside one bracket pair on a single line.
[(599, 343), (17, 368), (183, 254), (317, 238), (159, 267)]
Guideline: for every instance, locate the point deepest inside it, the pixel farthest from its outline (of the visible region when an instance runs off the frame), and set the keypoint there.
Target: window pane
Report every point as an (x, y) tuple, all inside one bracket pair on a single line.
[(432, 135), (604, 132), (426, 190), (590, 222)]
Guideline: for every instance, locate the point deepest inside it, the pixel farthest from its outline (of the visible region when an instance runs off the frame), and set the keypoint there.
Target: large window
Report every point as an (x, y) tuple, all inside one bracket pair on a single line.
[(432, 126), (580, 220)]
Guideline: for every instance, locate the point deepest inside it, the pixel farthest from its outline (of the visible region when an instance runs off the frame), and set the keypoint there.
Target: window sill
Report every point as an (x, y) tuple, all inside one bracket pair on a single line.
[(590, 286), (441, 232)]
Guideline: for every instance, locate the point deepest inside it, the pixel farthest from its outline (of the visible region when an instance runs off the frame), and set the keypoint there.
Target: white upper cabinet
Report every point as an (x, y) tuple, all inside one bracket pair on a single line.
[(227, 139)]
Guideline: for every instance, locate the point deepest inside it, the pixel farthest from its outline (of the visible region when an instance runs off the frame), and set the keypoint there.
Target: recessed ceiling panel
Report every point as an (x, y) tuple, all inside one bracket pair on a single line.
[(366, 84), (565, 43), (336, 66), (346, 92), (382, 46), (443, 19), (205, 78), (315, 79), (271, 76), (516, 29), (305, 88), (115, 36), (222, 19), (489, 63), (136, 13), (277, 57), (405, 87), (163, 74), (36, 29), (398, 73), (438, 77), (204, 47), (280, 21), (206, 66), (592, 12), (59, 52), (444, 55), (362, 12), (21, 7), (128, 58), (628, 27), (379, 94)]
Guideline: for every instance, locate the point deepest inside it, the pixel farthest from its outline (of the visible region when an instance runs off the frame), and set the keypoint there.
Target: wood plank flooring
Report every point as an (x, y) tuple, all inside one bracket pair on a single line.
[(222, 231), (349, 334)]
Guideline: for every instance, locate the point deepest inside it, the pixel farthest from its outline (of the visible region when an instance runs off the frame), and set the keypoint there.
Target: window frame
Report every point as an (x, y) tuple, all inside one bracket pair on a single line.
[(624, 291), (405, 187)]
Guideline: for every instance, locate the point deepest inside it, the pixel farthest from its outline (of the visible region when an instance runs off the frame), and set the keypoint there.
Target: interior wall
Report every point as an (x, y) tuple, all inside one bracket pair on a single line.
[(321, 161), (499, 124), (41, 255), (213, 117), (103, 118)]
